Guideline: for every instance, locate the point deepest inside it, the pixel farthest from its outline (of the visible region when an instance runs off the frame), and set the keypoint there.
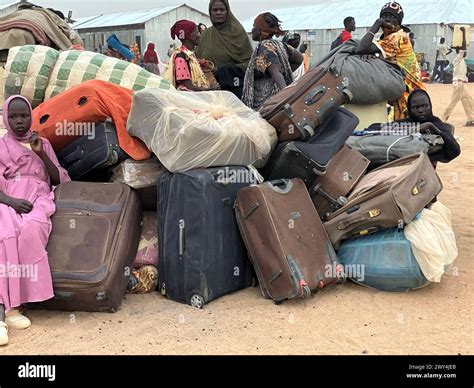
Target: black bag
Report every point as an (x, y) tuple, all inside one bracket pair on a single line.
[(86, 154), (336, 42), (202, 256), (309, 160)]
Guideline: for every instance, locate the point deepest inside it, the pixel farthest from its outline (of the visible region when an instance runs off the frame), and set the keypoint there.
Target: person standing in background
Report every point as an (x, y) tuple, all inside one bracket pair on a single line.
[(303, 49), (346, 34), (441, 60), (227, 46), (460, 91)]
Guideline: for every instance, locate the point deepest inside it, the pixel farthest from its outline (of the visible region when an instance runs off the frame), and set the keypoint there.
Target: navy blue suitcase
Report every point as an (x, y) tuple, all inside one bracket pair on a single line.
[(202, 255), (308, 160), (86, 154)]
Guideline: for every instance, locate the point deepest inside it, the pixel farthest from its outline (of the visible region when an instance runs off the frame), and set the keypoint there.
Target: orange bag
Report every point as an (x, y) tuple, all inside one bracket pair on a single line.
[(62, 118)]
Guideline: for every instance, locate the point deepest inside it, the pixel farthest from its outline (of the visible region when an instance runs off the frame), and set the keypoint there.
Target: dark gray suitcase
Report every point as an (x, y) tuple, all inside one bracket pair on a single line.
[(309, 160), (85, 154), (202, 255)]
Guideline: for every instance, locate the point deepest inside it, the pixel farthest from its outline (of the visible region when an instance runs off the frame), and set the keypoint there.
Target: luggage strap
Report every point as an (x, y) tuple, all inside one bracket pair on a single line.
[(89, 206)]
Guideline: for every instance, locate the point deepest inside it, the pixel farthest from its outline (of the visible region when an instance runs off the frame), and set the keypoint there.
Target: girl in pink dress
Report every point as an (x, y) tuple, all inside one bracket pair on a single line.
[(28, 171)]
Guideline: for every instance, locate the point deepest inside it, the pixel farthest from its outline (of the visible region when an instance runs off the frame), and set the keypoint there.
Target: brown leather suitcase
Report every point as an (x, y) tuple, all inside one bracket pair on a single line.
[(297, 110), (286, 240), (330, 190), (387, 197), (94, 241)]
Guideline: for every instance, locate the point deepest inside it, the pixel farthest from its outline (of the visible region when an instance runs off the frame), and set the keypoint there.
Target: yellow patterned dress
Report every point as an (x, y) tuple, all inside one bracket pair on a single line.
[(397, 48)]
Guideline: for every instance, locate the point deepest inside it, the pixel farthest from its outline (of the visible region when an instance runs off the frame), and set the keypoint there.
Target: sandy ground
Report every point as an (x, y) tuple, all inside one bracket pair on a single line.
[(347, 319)]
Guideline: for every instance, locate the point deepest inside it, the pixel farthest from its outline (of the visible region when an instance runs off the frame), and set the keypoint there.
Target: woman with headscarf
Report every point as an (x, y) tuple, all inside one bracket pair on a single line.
[(395, 46), (420, 116), (151, 59), (272, 64), (28, 171), (227, 45), (184, 70)]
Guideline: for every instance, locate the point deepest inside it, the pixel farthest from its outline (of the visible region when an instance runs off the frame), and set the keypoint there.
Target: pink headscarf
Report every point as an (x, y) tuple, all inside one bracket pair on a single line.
[(6, 106)]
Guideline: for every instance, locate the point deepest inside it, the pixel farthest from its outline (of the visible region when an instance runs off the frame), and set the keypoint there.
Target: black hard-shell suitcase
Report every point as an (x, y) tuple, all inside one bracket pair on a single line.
[(202, 255), (89, 153), (309, 160)]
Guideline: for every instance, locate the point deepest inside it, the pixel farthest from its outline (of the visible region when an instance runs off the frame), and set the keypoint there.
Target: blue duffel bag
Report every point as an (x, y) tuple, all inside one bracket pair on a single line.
[(383, 260)]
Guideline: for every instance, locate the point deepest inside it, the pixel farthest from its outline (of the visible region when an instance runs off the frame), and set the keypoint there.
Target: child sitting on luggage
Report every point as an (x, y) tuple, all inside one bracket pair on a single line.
[(420, 113), (28, 171)]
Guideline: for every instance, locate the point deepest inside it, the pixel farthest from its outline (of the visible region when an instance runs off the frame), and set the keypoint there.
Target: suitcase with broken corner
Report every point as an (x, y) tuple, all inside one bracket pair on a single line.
[(202, 256), (330, 190), (286, 241), (310, 160), (94, 241), (299, 109)]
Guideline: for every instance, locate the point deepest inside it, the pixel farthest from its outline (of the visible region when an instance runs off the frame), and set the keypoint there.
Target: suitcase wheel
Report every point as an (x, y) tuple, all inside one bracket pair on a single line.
[(278, 302), (197, 301), (306, 292)]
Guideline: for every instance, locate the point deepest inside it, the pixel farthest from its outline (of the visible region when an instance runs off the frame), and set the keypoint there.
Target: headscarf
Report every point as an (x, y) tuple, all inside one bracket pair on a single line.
[(6, 107), (150, 54), (227, 42), (394, 9), (265, 28), (430, 118), (183, 26)]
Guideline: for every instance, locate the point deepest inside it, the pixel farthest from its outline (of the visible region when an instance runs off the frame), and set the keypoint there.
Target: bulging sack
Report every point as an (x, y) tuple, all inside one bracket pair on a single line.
[(188, 130), (370, 78), (433, 241)]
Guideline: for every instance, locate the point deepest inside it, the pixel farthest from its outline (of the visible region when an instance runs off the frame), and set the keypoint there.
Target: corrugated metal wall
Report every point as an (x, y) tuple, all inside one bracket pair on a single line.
[(127, 35), (158, 29)]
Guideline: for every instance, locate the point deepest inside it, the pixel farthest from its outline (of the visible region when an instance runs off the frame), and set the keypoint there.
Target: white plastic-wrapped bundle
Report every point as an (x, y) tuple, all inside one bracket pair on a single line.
[(189, 130)]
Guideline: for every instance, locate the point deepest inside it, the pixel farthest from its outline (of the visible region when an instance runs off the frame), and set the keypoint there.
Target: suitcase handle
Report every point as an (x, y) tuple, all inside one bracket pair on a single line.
[(315, 95), (368, 215), (61, 295), (278, 184), (181, 227)]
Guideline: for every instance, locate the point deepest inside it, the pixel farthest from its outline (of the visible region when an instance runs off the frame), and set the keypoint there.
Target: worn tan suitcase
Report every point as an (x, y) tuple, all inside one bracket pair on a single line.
[(297, 110), (389, 196), (96, 230), (286, 240), (330, 190)]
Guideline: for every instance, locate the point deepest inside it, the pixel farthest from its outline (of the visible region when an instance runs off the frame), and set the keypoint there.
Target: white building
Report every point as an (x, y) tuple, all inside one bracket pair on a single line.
[(138, 26), (320, 24)]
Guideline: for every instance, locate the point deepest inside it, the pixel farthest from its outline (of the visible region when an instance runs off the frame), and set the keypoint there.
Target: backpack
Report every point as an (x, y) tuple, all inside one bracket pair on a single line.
[(336, 43)]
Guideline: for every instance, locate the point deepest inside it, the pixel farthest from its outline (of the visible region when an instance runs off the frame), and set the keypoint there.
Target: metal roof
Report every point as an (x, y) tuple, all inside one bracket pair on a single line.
[(330, 14), (125, 18)]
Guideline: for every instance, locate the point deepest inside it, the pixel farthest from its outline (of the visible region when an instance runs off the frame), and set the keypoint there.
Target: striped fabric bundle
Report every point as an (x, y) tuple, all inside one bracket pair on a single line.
[(27, 72), (40, 73), (75, 67)]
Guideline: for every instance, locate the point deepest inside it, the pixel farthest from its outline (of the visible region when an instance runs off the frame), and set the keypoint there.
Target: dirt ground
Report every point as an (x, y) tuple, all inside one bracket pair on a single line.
[(346, 319)]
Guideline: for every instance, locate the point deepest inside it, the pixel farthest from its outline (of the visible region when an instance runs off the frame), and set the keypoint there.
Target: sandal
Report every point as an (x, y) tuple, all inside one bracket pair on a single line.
[(3, 333), (17, 321), (469, 124)]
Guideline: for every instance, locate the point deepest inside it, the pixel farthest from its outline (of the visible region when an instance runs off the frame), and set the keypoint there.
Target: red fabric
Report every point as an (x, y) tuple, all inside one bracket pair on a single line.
[(182, 69), (150, 54), (103, 100), (345, 35), (182, 29)]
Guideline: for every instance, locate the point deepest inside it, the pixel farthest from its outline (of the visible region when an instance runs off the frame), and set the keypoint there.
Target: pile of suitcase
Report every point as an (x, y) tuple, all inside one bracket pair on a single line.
[(222, 229)]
